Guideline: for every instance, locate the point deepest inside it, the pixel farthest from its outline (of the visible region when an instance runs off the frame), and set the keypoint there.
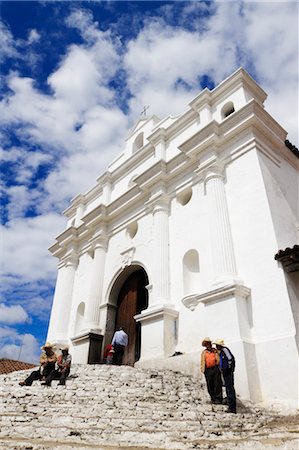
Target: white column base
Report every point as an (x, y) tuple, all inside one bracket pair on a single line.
[(158, 331)]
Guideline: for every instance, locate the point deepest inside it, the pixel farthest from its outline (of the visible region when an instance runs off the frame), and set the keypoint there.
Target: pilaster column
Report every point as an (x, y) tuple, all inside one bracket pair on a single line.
[(161, 293), (96, 286), (62, 302), (220, 231)]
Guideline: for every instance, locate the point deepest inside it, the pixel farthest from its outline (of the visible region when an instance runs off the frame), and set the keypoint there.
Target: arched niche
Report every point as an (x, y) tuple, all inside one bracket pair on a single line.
[(132, 229), (191, 272), (184, 197), (138, 143), (227, 110), (79, 324)]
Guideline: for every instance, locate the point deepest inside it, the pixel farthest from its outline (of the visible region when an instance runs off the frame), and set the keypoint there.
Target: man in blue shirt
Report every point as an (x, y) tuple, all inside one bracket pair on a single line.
[(227, 367), (119, 342)]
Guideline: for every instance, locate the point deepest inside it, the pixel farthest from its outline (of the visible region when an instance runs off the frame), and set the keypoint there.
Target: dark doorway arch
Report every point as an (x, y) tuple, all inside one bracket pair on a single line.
[(132, 299)]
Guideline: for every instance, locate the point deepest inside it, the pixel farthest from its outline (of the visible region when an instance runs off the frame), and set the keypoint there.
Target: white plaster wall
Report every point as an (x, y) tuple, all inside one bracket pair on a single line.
[(121, 186), (238, 98), (189, 229), (270, 314), (121, 242), (93, 204), (81, 288), (80, 352), (282, 189)]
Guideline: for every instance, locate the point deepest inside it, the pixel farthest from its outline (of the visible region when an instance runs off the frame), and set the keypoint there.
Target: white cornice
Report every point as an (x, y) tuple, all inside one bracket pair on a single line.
[(223, 293)]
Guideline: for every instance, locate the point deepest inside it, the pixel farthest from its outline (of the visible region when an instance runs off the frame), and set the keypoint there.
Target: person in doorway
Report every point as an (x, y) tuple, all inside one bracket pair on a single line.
[(64, 362), (227, 367), (119, 343), (210, 368), (47, 361)]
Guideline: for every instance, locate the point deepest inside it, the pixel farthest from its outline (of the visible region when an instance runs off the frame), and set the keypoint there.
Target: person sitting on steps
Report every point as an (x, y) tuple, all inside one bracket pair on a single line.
[(63, 368), (47, 361)]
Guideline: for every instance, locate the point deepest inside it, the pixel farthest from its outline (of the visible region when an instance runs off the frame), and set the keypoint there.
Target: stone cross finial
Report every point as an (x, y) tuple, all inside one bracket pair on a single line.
[(143, 112)]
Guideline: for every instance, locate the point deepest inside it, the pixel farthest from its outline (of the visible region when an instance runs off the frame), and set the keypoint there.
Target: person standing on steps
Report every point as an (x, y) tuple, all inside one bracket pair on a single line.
[(227, 367), (119, 343), (47, 362), (64, 362), (209, 366)]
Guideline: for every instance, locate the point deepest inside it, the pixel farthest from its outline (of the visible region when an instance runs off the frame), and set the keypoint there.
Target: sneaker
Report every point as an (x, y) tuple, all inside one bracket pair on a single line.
[(45, 384)]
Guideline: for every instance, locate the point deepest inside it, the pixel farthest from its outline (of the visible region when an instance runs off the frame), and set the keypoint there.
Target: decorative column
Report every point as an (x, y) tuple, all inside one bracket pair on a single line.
[(161, 251), (62, 302), (158, 321), (96, 286), (221, 237)]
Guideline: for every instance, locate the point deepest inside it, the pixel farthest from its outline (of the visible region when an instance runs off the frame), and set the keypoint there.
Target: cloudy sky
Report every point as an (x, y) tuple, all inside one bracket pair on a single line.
[(75, 77)]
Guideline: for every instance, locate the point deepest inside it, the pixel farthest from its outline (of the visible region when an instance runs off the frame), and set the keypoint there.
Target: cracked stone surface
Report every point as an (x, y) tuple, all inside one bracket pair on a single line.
[(110, 407)]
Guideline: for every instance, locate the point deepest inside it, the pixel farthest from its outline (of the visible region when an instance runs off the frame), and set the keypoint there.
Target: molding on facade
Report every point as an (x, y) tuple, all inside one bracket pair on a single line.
[(156, 313), (222, 293), (127, 257), (85, 335)]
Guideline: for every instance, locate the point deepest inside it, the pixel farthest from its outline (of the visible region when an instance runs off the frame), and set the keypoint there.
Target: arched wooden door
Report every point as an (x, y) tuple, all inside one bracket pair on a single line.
[(132, 300)]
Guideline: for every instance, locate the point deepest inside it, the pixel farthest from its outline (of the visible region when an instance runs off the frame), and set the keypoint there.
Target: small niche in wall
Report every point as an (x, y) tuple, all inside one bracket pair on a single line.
[(227, 110), (184, 197), (80, 318), (132, 229), (138, 143), (191, 272)]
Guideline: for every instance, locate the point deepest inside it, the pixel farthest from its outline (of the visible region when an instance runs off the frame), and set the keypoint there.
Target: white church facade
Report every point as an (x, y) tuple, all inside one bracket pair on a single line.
[(179, 239)]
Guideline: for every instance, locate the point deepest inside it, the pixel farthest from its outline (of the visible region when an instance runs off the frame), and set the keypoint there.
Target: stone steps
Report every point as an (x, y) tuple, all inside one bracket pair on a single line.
[(122, 407)]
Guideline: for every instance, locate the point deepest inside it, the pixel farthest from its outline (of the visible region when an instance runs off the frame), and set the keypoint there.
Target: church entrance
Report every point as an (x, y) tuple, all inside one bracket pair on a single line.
[(132, 299)]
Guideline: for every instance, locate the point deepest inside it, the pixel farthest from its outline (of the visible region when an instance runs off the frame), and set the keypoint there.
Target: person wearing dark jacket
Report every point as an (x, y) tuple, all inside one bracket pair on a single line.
[(227, 367)]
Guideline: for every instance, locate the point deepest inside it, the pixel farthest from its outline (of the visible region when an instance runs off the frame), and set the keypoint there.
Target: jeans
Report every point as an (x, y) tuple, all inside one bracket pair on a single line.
[(228, 376)]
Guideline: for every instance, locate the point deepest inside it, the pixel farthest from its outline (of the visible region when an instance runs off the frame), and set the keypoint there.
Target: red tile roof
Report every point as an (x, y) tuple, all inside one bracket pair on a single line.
[(9, 365)]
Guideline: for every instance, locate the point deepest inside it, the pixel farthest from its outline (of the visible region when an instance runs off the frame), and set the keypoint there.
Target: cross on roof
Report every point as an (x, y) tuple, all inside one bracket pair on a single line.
[(143, 112)]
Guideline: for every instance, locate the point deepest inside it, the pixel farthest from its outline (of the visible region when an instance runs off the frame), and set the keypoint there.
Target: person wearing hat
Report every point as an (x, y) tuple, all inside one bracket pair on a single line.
[(64, 362), (47, 362), (227, 367), (210, 368)]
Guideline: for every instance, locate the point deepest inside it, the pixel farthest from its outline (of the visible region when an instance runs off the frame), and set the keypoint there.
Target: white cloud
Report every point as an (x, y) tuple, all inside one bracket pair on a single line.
[(23, 347), (26, 240), (255, 35), (12, 314), (7, 43), (33, 36), (79, 126)]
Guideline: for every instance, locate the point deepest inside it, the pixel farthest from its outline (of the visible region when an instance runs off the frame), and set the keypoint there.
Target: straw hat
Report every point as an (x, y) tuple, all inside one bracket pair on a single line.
[(219, 342), (47, 345), (206, 339)]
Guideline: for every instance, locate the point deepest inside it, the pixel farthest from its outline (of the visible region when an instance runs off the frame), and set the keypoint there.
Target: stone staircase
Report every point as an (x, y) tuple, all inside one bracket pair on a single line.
[(109, 407)]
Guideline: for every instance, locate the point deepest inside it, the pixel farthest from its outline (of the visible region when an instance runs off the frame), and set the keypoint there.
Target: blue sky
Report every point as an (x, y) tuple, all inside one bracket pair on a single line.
[(75, 77)]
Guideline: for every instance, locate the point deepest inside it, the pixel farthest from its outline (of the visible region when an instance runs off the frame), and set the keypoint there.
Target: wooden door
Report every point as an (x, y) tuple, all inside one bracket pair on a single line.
[(131, 300)]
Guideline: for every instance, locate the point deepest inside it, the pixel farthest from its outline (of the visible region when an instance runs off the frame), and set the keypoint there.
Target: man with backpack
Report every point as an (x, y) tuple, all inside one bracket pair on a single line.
[(227, 367), (209, 366)]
